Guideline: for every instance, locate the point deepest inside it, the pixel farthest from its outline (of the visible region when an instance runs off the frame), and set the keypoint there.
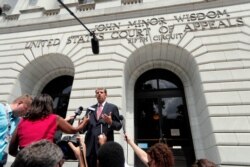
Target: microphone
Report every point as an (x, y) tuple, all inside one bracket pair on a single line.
[(95, 44), (77, 112), (89, 111), (123, 121), (101, 122), (94, 40)]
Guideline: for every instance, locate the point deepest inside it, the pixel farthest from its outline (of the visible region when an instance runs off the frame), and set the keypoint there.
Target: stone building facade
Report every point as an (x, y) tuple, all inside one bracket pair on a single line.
[(187, 60)]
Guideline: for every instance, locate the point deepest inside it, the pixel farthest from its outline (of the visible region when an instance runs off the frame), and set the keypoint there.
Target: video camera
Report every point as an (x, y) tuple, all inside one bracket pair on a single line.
[(67, 151)]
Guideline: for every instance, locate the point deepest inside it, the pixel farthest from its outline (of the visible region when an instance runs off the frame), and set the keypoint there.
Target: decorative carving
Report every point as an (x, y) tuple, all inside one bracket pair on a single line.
[(130, 2), (51, 12), (86, 6), (12, 17)]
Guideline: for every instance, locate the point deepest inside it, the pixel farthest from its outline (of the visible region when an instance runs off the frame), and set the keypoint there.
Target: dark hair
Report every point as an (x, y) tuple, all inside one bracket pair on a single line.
[(41, 106), (111, 154), (203, 163), (39, 154), (161, 154)]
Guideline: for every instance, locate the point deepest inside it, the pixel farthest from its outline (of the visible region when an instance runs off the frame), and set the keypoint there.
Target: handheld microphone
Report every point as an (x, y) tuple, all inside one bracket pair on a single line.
[(89, 111), (77, 112), (123, 121), (101, 122), (91, 108), (95, 44), (124, 130)]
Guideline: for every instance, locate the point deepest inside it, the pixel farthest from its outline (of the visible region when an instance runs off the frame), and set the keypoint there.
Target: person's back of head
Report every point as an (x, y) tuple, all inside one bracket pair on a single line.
[(111, 154), (161, 155), (39, 154), (203, 163), (41, 106)]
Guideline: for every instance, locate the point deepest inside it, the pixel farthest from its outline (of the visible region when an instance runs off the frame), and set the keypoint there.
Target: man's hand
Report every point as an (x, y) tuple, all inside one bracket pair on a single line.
[(107, 118)]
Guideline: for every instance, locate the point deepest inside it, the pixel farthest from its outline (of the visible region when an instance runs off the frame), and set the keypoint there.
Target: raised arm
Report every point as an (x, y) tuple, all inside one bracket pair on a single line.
[(138, 151)]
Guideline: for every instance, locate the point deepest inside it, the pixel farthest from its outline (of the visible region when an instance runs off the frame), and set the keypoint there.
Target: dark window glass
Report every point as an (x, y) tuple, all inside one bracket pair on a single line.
[(158, 79), (161, 115), (59, 89)]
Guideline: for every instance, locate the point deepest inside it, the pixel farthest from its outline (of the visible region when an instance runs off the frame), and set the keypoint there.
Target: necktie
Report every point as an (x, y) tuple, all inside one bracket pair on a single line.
[(99, 111)]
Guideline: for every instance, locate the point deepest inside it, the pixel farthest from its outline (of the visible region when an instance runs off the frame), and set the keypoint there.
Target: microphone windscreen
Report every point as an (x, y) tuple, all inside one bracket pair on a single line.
[(121, 117), (101, 121), (91, 108), (79, 111), (95, 45), (123, 123)]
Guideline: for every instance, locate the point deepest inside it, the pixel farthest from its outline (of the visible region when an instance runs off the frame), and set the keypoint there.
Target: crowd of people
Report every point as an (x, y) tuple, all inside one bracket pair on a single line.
[(29, 125)]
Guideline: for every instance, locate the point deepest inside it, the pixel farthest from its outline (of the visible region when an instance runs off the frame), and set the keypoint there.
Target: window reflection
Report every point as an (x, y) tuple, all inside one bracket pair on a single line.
[(163, 84), (150, 85), (171, 108), (148, 121)]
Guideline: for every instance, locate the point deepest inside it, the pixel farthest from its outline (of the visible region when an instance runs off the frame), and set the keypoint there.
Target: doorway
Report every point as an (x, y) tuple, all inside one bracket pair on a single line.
[(59, 89), (161, 115)]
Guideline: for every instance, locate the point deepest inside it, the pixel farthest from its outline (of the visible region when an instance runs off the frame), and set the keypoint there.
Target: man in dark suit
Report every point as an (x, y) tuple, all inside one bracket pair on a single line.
[(103, 118)]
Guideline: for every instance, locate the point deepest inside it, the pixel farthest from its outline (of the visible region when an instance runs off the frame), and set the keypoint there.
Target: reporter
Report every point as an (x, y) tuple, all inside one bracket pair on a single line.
[(158, 155), (40, 123), (109, 154)]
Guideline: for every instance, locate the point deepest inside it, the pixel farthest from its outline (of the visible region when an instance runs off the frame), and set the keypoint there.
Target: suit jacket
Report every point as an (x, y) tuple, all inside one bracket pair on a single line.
[(95, 126)]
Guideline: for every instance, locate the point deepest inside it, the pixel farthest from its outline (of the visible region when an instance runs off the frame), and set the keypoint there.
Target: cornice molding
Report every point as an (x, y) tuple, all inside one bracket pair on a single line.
[(101, 15)]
